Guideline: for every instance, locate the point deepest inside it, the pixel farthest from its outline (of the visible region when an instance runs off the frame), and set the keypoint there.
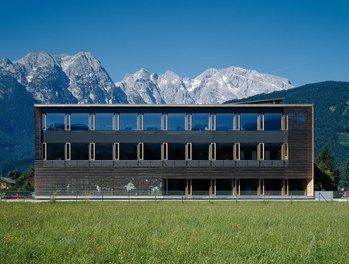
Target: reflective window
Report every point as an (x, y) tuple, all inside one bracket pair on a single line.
[(152, 121), (224, 121), (200, 121), (248, 151), (79, 151), (103, 151), (128, 151), (200, 151), (272, 151), (176, 151), (79, 121), (55, 151), (54, 121), (104, 121), (224, 151), (248, 121), (272, 121), (128, 121), (176, 121), (152, 151)]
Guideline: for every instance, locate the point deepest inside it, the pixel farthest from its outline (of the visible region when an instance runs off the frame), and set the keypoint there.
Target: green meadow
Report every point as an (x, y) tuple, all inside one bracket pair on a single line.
[(174, 232)]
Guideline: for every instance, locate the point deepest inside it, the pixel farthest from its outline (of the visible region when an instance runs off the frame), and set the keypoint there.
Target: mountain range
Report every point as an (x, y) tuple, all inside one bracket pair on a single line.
[(81, 78)]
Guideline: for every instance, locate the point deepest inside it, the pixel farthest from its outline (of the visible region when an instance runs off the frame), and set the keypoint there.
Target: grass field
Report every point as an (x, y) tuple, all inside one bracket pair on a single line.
[(174, 232)]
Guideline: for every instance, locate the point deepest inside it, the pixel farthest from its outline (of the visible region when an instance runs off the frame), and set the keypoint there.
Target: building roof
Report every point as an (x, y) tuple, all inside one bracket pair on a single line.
[(7, 180)]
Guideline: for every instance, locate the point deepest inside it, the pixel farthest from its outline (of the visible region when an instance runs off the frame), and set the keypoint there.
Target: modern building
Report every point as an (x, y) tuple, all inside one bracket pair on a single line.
[(258, 148)]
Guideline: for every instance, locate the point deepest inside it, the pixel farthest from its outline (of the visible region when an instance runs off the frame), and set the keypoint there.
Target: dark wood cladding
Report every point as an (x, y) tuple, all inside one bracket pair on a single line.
[(87, 177)]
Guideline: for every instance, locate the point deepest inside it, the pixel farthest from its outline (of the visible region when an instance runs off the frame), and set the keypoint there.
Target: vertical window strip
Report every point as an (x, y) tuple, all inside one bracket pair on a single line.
[(164, 151), (116, 152), (260, 122), (43, 121), (236, 125), (140, 121), (188, 151), (236, 151), (44, 151), (164, 121), (213, 151), (67, 122), (284, 151), (140, 151), (260, 151), (67, 151), (188, 121), (92, 148), (212, 122), (92, 121), (116, 121)]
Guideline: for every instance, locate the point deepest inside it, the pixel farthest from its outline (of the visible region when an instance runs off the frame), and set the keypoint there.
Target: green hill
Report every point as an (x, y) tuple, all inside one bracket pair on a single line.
[(331, 113)]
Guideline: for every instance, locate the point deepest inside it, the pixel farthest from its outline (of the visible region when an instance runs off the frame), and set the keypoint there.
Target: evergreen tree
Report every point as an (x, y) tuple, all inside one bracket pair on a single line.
[(327, 176)]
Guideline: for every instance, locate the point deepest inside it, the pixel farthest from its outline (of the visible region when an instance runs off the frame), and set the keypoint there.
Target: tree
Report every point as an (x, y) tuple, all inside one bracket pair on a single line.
[(327, 175), (346, 177)]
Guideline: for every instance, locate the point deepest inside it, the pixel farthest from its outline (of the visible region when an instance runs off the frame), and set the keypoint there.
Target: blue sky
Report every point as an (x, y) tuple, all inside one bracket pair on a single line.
[(305, 41)]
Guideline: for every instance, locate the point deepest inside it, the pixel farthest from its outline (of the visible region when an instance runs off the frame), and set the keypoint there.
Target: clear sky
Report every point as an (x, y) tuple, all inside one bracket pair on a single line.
[(305, 41)]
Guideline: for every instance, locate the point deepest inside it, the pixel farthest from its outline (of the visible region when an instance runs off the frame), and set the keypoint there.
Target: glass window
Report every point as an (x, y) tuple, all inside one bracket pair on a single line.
[(54, 121), (248, 151), (176, 121), (55, 151), (128, 151), (152, 151), (248, 121), (152, 121), (200, 151), (128, 121), (176, 151), (224, 121), (224, 151), (272, 151), (272, 121), (79, 121), (103, 151), (200, 121), (104, 121), (79, 151)]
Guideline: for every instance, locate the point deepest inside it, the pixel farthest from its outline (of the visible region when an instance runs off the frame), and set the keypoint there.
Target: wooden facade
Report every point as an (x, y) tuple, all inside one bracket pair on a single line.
[(292, 175)]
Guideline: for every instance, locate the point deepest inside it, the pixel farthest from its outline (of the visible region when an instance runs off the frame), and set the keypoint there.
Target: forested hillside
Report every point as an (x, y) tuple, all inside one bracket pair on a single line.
[(331, 113)]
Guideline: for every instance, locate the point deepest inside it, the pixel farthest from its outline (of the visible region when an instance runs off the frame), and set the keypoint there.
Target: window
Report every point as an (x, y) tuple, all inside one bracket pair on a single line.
[(200, 122), (104, 121), (67, 122), (188, 151), (176, 121), (200, 151), (212, 151), (128, 151), (92, 149), (248, 121), (164, 152), (92, 121), (79, 121), (152, 121), (152, 151), (272, 121), (188, 121), (224, 151), (164, 121), (248, 151), (54, 121), (140, 151), (79, 151), (236, 151), (272, 151), (212, 122), (44, 153), (260, 151), (260, 122), (176, 151), (55, 151), (284, 151), (236, 125), (67, 153), (116, 153), (285, 122), (128, 121), (224, 121), (103, 151)]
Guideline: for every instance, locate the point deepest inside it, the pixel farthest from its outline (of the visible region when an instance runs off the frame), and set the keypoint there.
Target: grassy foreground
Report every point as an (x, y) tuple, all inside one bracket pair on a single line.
[(174, 232)]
